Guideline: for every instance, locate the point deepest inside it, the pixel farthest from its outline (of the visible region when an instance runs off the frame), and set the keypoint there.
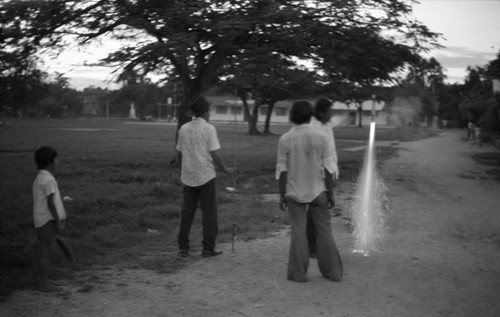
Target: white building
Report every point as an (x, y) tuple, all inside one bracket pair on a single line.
[(230, 108)]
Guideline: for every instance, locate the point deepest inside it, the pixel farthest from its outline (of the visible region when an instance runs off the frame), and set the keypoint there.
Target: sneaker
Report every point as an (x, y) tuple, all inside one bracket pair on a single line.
[(182, 253), (207, 254)]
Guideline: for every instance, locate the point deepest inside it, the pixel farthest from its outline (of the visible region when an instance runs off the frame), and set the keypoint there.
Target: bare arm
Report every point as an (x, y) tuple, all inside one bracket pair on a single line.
[(282, 189), (329, 188), (218, 162), (179, 159), (53, 211)]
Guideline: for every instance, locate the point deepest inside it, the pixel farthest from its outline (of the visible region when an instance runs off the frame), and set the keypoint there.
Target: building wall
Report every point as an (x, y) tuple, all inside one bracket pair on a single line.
[(229, 108)]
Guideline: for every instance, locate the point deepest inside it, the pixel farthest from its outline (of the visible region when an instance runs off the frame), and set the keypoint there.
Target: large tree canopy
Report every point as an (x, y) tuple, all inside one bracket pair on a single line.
[(191, 40)]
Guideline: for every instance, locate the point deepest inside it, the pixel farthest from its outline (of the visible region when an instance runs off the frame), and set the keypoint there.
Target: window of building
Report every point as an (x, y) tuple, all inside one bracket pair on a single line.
[(281, 111), (236, 110), (263, 110), (220, 109)]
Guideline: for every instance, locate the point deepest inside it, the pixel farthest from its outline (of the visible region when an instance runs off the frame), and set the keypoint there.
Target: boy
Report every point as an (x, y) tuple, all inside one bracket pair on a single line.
[(304, 170), (48, 211), (322, 121), (198, 150)]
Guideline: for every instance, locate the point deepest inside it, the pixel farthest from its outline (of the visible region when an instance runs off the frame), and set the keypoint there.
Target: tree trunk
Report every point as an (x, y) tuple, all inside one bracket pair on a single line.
[(360, 113), (270, 108), (252, 120)]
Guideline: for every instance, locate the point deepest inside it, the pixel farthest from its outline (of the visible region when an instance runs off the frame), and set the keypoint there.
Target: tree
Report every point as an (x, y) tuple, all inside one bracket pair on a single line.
[(268, 77), (356, 96), (59, 100), (21, 82), (196, 38), (493, 68)]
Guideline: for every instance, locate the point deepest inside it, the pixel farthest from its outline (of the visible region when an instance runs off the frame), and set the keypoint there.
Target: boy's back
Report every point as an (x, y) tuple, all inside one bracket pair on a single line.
[(196, 140), (44, 185)]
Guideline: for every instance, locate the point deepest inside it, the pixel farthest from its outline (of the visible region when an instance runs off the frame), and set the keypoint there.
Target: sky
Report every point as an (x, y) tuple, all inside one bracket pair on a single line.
[(471, 31), (470, 35)]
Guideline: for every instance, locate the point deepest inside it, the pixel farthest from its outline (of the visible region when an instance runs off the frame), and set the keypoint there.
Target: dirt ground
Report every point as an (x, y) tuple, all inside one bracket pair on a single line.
[(441, 258)]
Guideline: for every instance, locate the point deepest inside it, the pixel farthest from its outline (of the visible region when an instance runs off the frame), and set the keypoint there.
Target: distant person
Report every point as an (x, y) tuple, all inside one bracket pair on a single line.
[(471, 130), (322, 121), (48, 212), (198, 149), (304, 170)]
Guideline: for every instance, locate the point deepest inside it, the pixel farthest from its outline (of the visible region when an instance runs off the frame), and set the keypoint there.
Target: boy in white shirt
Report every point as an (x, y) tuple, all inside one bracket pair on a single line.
[(198, 149), (48, 212), (304, 169)]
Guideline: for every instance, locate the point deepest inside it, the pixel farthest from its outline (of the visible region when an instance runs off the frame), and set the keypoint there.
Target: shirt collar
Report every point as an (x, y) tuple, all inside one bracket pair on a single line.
[(302, 126), (199, 119)]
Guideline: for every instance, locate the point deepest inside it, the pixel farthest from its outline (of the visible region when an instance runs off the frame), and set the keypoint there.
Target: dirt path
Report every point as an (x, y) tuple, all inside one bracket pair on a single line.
[(442, 258)]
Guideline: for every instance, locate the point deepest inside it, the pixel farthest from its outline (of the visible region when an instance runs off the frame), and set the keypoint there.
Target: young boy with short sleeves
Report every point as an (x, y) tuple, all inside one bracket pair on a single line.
[(49, 214)]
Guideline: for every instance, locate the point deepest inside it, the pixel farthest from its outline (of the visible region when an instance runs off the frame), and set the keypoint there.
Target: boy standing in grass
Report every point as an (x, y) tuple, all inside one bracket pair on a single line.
[(198, 147), (48, 212)]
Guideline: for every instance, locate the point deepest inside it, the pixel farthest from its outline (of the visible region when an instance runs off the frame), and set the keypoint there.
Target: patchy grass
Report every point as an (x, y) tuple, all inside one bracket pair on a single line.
[(126, 196), (488, 158)]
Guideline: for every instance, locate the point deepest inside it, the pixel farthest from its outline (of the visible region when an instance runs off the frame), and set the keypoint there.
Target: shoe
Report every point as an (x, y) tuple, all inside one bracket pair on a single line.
[(207, 254), (298, 280), (182, 253)]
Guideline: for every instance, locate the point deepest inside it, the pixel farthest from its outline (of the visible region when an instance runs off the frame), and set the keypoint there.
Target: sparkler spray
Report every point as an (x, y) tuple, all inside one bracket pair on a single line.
[(367, 208)]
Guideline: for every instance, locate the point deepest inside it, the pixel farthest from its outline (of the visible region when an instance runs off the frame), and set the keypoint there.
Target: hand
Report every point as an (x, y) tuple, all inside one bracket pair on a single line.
[(331, 200), (336, 173), (283, 204)]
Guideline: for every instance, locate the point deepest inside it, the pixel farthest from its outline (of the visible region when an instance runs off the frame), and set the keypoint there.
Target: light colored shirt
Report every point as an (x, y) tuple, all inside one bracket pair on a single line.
[(328, 129), (304, 153), (44, 185), (196, 140)]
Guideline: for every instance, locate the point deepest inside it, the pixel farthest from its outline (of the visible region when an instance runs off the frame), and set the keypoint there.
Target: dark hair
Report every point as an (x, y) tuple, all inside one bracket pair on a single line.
[(301, 112), (44, 156), (198, 105), (322, 106)]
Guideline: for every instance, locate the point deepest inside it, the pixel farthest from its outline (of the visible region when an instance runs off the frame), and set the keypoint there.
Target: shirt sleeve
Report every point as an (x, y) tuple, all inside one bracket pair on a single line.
[(49, 187), (213, 140), (282, 158), (327, 159)]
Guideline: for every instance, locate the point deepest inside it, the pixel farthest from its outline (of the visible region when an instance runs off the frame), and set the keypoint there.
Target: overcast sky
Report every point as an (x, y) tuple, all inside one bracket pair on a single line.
[(470, 28), (471, 31)]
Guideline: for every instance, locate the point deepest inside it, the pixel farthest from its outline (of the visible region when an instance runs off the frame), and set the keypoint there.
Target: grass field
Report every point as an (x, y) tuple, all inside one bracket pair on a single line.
[(126, 196)]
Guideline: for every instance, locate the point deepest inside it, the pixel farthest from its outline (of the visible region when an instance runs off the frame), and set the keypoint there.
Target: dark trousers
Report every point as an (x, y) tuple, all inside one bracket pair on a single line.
[(311, 234), (205, 195), (329, 261)]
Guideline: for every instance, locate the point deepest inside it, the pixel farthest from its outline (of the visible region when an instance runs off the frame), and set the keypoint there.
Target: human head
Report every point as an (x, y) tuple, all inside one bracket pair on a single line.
[(45, 156), (301, 112), (199, 105), (322, 110)]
